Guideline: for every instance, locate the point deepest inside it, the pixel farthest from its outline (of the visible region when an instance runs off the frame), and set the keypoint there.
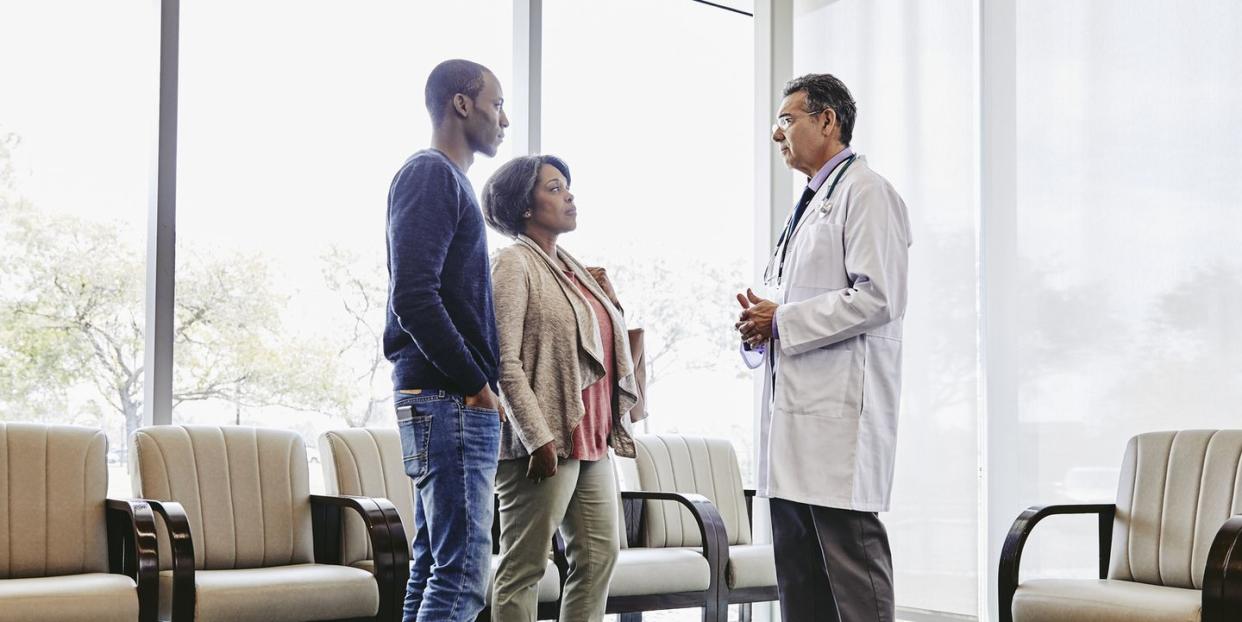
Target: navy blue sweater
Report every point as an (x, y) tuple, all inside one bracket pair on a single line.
[(441, 328)]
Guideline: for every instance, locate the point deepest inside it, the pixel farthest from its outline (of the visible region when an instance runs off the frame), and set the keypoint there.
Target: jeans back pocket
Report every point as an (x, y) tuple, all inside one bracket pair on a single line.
[(415, 442)]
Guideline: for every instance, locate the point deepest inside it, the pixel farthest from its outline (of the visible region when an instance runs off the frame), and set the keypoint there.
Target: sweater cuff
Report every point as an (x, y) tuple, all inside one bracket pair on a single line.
[(540, 442), (475, 382)]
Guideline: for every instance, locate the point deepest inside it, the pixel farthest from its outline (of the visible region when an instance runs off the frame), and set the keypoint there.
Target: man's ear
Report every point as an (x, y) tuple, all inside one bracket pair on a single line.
[(830, 121), (461, 105)]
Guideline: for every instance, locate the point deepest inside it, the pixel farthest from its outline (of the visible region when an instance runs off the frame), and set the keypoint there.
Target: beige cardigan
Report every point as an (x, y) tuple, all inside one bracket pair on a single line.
[(550, 351)]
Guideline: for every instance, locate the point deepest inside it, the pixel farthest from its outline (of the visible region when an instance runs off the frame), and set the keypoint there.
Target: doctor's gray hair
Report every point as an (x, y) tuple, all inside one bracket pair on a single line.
[(510, 192), (824, 91)]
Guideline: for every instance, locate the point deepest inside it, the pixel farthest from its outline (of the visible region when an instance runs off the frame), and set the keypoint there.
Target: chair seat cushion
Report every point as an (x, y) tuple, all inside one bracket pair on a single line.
[(69, 598), (279, 594), (750, 565), (549, 585), (643, 572), (1063, 600)]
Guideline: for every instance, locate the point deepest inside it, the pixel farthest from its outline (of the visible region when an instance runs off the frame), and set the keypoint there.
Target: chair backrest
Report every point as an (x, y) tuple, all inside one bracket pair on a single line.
[(52, 491), (690, 464), (366, 462), (245, 491), (1176, 490)]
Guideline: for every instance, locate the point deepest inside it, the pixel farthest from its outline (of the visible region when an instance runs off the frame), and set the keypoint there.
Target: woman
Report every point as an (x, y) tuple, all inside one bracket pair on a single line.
[(567, 380)]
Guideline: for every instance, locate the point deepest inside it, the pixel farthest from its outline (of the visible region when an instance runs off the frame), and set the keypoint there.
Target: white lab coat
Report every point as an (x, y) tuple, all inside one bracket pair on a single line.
[(828, 432)]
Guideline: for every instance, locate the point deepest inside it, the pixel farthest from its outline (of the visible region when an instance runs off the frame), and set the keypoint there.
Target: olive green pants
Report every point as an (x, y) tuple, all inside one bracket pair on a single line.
[(581, 499)]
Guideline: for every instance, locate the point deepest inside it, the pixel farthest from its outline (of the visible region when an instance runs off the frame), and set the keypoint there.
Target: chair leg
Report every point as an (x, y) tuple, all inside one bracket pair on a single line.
[(712, 613), (635, 616), (746, 614)]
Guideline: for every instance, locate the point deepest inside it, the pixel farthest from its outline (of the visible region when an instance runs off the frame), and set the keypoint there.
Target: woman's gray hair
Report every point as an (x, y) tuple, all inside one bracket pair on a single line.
[(510, 192)]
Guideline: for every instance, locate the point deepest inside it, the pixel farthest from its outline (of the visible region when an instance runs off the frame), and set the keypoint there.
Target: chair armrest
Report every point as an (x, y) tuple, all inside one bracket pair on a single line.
[(711, 529), (390, 549), (1222, 579), (133, 550), (495, 523), (559, 558), (1011, 553), (181, 544), (750, 508)]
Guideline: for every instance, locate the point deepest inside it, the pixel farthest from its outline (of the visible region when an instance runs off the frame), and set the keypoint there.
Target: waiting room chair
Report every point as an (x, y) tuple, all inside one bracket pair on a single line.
[(67, 553), (708, 467), (652, 577), (252, 543), (368, 461), (1170, 546)]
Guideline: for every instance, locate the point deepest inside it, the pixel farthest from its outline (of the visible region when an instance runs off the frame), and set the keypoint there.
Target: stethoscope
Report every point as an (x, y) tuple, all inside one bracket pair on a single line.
[(787, 235)]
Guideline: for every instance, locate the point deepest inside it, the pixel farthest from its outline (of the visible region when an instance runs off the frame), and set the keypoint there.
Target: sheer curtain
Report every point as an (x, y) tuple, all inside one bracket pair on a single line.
[(1112, 240), (910, 66), (1129, 149)]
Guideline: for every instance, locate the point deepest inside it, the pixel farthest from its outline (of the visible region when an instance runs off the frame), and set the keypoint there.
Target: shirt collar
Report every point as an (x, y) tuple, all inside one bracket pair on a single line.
[(818, 180)]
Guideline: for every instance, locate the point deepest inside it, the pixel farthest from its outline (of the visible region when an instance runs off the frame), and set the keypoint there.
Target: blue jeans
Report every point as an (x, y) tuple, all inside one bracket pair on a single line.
[(451, 454)]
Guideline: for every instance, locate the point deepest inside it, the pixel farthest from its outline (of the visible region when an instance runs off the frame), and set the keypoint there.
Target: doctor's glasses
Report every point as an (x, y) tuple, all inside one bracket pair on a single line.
[(786, 121)]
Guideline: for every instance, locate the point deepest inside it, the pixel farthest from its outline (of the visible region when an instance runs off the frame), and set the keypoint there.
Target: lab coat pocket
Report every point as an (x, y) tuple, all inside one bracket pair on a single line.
[(825, 382), (820, 258)]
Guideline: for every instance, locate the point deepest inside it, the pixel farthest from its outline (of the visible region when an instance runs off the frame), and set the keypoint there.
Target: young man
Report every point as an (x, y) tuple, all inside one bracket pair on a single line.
[(832, 346), (441, 339)]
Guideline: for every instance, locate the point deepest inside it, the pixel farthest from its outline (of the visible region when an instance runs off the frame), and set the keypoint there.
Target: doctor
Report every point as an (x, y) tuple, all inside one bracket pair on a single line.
[(830, 343)]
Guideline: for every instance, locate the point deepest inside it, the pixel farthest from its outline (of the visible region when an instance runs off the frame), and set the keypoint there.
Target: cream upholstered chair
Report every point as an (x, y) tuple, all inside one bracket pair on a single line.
[(651, 577), (368, 461), (252, 544), (709, 467), (1170, 547), (66, 552)]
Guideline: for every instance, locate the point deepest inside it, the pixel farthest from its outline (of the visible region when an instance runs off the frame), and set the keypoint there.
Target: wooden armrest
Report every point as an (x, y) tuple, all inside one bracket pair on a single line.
[(133, 550), (495, 524), (1222, 579), (749, 493), (559, 558), (181, 544), (1011, 553), (390, 549)]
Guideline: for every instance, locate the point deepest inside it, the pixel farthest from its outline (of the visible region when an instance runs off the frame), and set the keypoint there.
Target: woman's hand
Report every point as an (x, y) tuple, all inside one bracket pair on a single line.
[(542, 463), (601, 277)]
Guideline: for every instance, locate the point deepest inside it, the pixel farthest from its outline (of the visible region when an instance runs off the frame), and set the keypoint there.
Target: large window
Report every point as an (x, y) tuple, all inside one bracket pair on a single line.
[(1122, 278), (76, 124), (294, 118), (910, 68), (1129, 145), (657, 129)]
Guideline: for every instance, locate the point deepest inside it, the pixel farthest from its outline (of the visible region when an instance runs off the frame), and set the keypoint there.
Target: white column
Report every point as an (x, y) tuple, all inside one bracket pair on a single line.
[(998, 421), (525, 107), (161, 232), (774, 20), (773, 68)]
